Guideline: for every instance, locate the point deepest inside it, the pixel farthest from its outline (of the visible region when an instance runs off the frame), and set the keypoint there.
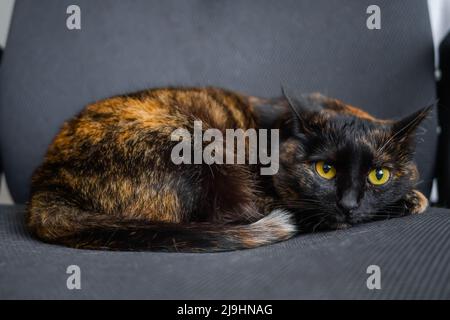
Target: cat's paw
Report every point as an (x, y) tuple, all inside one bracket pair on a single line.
[(416, 202)]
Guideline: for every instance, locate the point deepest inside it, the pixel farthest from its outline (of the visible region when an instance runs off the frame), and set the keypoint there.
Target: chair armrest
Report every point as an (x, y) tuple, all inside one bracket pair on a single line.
[(443, 158), (1, 167)]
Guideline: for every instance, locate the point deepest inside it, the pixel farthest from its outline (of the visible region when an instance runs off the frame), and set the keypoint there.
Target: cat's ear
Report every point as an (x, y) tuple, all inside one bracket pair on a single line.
[(405, 128), (301, 108)]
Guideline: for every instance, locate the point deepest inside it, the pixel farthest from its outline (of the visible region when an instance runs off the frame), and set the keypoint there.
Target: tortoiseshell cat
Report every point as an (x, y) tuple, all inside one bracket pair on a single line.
[(108, 181)]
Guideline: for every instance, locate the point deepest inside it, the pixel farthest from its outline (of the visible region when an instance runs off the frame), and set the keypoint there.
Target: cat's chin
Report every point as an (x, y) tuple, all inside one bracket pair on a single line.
[(341, 226), (348, 222)]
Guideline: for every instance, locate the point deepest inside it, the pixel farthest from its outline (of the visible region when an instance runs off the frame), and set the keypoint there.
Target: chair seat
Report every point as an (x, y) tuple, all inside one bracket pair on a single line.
[(413, 254)]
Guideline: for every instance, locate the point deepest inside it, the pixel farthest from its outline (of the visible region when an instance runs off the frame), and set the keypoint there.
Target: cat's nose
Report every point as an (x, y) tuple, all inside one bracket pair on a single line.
[(348, 203)]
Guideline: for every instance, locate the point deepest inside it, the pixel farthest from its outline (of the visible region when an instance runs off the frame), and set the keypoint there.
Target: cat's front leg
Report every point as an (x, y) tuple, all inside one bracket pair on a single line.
[(415, 202)]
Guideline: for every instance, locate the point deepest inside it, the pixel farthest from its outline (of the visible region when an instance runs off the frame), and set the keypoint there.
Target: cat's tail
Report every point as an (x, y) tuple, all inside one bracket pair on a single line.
[(107, 232)]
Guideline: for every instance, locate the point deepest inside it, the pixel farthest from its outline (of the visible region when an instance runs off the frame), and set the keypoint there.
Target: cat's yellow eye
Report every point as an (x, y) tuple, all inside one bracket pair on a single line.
[(325, 170), (379, 176)]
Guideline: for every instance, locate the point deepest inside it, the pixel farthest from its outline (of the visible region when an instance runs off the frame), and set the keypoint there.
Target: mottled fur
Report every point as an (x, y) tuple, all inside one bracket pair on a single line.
[(108, 181)]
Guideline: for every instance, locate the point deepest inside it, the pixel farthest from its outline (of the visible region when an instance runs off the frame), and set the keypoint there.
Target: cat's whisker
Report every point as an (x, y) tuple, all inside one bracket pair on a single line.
[(418, 183), (298, 202), (310, 217), (319, 223)]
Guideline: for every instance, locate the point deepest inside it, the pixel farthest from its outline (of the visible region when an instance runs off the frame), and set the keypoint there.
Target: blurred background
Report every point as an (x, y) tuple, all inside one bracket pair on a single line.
[(439, 19), (6, 8)]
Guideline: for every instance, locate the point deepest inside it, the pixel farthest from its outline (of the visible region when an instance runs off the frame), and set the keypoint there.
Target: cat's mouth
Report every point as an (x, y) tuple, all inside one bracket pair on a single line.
[(336, 219), (351, 219), (341, 226), (345, 220)]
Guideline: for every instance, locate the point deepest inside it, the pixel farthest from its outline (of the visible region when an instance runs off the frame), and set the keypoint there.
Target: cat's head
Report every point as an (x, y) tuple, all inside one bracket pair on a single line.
[(341, 165)]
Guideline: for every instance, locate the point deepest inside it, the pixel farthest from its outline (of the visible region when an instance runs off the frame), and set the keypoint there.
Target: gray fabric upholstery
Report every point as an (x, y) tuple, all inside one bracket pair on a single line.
[(49, 72), (413, 254)]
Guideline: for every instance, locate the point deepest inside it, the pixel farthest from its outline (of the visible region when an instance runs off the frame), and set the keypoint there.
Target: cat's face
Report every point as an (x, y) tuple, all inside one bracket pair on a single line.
[(340, 165)]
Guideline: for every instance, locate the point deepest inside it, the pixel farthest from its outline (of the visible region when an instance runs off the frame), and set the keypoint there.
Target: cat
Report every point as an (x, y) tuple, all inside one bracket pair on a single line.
[(108, 182)]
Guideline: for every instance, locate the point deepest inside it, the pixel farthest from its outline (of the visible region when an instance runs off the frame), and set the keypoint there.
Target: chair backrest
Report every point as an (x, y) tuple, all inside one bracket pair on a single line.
[(49, 72)]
